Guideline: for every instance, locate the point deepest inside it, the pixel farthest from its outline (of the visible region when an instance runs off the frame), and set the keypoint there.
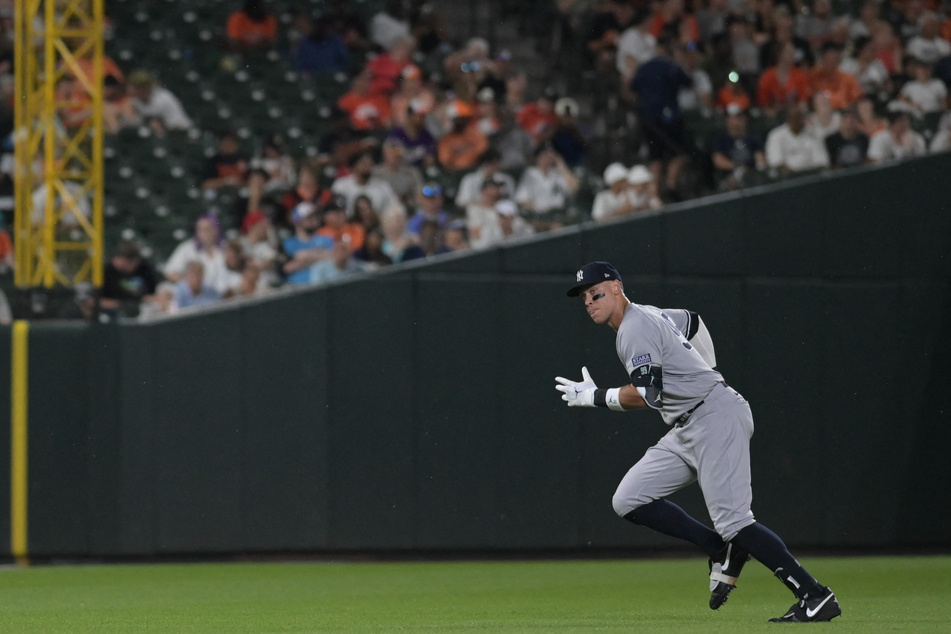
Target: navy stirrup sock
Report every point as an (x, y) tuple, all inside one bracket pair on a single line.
[(770, 550), (668, 518)]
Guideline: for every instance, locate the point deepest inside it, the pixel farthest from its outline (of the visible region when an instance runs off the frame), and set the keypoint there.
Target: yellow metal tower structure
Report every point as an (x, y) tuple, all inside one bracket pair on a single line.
[(58, 136)]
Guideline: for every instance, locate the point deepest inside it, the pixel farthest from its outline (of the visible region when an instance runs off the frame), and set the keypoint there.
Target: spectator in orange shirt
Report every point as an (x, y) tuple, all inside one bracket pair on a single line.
[(733, 93), (782, 84), (367, 110), (538, 118), (252, 27), (336, 225), (842, 88), (672, 15), (460, 148), (386, 69)]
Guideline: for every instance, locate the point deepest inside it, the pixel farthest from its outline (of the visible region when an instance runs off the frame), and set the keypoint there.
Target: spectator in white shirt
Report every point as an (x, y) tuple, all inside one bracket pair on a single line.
[(612, 201), (897, 141), (790, 149), (362, 182), (924, 93), (545, 188), (508, 225), (490, 165), (156, 105), (928, 46), (635, 46)]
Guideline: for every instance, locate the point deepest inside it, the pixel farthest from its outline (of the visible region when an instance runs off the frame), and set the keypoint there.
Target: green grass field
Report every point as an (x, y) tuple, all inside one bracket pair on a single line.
[(881, 594)]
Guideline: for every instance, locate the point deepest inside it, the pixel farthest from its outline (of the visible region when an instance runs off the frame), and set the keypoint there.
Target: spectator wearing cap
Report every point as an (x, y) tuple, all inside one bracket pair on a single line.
[(362, 182), (848, 146), (486, 113), (614, 200), (545, 188), (204, 247), (472, 184), (842, 88), (790, 149), (429, 207), (783, 84), (736, 152), (419, 145), (405, 179), (655, 87), (127, 280), (368, 110), (460, 148), (157, 105), (305, 247), (570, 136), (323, 51), (635, 46), (337, 227), (481, 213), (411, 93), (642, 189), (508, 225), (897, 141), (538, 118), (340, 264), (252, 27), (386, 69)]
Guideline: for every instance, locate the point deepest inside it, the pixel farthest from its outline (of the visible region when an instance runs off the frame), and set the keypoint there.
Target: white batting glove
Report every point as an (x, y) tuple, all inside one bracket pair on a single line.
[(577, 394)]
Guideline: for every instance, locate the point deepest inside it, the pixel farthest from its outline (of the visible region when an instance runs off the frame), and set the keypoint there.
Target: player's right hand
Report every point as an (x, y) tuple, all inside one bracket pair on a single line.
[(577, 393)]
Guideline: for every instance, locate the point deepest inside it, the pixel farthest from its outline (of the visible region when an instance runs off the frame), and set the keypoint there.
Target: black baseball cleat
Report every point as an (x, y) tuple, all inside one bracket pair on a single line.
[(724, 571), (824, 607)]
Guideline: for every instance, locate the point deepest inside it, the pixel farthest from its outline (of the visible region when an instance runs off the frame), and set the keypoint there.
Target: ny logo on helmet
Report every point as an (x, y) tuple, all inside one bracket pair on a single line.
[(579, 276)]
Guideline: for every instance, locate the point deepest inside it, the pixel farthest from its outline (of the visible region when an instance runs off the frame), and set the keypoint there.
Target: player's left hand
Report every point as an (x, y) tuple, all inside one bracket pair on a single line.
[(577, 393)]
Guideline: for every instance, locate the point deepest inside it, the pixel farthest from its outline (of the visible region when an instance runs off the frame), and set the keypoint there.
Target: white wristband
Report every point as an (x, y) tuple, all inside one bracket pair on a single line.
[(613, 399)]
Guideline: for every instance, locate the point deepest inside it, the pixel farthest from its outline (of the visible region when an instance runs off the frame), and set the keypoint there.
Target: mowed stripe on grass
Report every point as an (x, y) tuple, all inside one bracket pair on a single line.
[(666, 595)]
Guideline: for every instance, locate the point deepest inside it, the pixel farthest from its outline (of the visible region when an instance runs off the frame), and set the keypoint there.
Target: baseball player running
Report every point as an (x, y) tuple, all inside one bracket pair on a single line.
[(709, 441)]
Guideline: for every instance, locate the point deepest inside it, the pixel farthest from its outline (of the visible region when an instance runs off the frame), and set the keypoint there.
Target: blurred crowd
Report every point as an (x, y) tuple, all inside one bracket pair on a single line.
[(440, 143)]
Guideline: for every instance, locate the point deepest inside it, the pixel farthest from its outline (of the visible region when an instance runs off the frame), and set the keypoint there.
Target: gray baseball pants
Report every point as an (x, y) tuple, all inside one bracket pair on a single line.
[(712, 447)]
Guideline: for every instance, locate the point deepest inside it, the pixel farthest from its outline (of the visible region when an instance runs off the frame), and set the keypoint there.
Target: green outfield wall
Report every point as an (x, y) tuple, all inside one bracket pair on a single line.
[(415, 409)]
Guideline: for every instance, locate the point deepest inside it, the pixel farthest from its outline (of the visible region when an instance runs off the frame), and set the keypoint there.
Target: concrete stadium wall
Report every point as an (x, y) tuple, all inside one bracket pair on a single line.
[(414, 409)]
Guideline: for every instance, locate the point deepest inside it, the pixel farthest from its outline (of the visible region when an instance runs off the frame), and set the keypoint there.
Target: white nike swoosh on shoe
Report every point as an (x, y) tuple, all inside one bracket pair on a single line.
[(812, 613)]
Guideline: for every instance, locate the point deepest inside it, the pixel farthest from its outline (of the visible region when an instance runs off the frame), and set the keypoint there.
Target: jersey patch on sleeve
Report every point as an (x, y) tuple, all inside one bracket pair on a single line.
[(640, 360), (651, 378)]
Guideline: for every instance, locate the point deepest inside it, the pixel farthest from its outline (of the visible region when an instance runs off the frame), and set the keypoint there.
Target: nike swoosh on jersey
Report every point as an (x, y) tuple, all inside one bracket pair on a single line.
[(812, 613)]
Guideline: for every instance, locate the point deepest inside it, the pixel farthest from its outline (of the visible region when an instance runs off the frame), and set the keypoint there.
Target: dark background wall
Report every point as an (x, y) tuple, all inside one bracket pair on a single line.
[(415, 409)]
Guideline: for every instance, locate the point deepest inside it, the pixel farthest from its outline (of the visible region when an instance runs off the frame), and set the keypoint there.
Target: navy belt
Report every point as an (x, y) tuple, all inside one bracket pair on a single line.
[(681, 420)]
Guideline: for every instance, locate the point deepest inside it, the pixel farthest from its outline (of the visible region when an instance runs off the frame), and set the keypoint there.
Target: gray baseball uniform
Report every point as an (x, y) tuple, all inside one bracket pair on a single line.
[(712, 424)]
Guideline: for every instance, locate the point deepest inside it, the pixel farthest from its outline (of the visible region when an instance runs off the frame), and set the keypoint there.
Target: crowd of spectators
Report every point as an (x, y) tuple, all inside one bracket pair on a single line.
[(438, 144), (740, 92)]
